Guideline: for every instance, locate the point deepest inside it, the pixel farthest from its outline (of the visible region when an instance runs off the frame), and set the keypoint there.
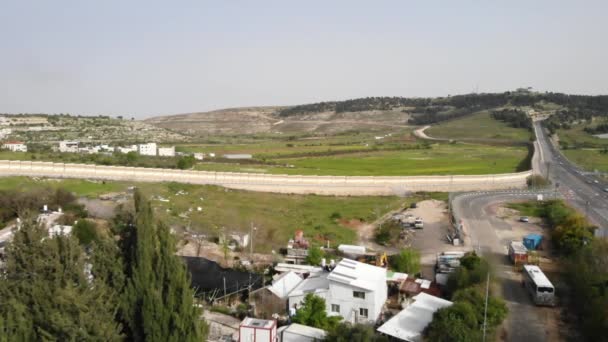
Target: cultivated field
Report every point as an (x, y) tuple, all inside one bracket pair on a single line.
[(478, 127), (434, 159)]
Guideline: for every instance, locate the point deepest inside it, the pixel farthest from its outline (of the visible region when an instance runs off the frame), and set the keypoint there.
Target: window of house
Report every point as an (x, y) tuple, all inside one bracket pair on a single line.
[(363, 312), (359, 294), (335, 308)]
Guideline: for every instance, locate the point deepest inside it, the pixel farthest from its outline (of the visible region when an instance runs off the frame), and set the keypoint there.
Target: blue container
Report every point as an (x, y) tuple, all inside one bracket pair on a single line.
[(532, 241)]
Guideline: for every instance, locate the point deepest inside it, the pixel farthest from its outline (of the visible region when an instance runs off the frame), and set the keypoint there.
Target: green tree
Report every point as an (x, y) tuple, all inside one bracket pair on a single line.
[(85, 231), (131, 157), (46, 294), (571, 234), (185, 162), (456, 323), (312, 313), (407, 261), (158, 302), (587, 275), (346, 332), (315, 254)]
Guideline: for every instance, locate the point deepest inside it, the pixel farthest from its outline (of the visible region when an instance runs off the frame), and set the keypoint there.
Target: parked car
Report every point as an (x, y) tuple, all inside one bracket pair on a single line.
[(524, 219)]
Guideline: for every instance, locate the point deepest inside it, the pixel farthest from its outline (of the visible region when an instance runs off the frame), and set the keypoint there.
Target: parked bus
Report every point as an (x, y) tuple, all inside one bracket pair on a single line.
[(539, 286)]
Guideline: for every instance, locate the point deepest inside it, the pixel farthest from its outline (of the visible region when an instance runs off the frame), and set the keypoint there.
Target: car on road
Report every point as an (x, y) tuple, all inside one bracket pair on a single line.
[(595, 181), (524, 219)]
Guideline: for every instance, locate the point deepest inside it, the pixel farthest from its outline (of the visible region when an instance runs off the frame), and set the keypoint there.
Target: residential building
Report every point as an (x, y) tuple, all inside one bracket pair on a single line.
[(68, 146), (300, 333), (132, 148), (354, 290), (15, 146), (57, 230), (199, 156), (257, 330), (409, 324), (272, 299), (148, 149), (166, 151), (237, 156), (357, 291)]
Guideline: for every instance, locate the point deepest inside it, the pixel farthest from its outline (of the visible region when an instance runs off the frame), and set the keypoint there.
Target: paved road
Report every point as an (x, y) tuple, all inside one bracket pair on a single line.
[(582, 191), (525, 320)]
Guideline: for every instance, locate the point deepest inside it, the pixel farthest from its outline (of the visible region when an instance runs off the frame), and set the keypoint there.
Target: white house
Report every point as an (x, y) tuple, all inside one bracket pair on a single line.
[(353, 290), (199, 156), (148, 149), (132, 148), (166, 151), (300, 333), (409, 324), (15, 146), (68, 146), (57, 230)]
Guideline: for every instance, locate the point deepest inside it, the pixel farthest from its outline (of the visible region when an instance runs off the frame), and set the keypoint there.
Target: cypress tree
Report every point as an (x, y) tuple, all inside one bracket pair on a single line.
[(158, 302), (46, 294)]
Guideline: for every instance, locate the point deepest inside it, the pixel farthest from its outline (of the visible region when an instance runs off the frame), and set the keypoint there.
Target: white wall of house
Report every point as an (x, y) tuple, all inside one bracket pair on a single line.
[(68, 146), (166, 151), (148, 149), (132, 148), (343, 296), (15, 147)]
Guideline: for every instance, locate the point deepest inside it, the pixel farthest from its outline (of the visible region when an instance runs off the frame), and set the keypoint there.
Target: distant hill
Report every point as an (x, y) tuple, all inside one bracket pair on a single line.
[(371, 113)]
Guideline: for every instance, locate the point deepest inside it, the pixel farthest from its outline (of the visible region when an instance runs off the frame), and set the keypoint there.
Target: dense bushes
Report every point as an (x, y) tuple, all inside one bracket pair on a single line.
[(463, 320), (513, 117), (20, 203), (406, 261)]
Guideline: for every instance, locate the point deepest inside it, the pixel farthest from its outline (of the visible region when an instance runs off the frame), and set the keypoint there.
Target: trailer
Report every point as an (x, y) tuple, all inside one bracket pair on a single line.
[(532, 241), (518, 253)]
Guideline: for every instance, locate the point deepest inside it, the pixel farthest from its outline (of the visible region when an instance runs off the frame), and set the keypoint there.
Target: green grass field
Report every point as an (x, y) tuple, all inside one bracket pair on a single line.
[(478, 126), (588, 159), (575, 136), (276, 216), (440, 159)]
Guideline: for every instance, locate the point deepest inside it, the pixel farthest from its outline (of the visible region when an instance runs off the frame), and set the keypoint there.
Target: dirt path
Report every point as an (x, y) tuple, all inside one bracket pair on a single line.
[(422, 135)]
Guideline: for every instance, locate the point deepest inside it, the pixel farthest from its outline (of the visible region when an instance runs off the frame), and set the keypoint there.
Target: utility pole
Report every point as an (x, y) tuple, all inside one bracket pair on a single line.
[(485, 311), (251, 230)]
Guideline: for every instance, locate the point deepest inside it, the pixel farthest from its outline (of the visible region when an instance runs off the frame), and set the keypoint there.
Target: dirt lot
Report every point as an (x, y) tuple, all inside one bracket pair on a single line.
[(428, 241), (548, 318)]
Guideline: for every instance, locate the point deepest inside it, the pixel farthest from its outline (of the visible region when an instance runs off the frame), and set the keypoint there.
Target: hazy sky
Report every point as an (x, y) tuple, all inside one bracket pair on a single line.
[(145, 58)]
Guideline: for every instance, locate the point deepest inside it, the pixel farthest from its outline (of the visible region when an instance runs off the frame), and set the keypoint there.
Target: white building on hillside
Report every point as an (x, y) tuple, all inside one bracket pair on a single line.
[(68, 146), (15, 146), (353, 290), (148, 149), (166, 151), (199, 156), (132, 148)]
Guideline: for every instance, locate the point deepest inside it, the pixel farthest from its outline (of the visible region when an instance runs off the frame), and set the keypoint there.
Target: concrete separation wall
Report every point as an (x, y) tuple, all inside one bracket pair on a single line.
[(322, 185)]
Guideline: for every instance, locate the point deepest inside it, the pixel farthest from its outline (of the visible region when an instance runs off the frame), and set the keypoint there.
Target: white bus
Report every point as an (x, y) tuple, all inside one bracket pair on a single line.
[(539, 286)]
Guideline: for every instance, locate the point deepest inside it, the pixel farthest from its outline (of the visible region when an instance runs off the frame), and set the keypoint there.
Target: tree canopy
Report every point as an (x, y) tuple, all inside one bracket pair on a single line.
[(312, 313)]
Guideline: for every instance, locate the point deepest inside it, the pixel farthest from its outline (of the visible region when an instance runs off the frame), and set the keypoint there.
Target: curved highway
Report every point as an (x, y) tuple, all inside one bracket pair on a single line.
[(584, 192)]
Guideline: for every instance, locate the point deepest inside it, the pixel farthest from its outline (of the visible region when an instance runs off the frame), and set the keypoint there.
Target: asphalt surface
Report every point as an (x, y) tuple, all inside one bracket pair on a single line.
[(581, 189), (524, 322)]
